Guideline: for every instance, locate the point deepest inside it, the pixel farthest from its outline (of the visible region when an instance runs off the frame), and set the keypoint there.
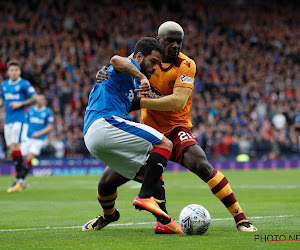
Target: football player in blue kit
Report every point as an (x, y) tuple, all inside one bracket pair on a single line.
[(40, 124), (123, 145), (16, 93)]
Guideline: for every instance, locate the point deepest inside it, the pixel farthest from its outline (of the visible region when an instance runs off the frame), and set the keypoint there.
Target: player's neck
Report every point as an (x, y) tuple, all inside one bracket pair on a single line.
[(169, 60), (13, 81), (40, 107)]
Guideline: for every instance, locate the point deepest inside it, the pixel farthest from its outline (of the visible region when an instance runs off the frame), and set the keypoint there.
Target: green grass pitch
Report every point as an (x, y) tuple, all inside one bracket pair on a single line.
[(49, 214)]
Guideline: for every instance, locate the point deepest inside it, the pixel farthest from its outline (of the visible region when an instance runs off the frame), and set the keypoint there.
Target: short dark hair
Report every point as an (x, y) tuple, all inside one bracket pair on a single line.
[(146, 45), (13, 63)]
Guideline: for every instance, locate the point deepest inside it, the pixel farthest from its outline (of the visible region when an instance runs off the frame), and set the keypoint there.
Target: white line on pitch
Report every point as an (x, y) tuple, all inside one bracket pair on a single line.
[(132, 223)]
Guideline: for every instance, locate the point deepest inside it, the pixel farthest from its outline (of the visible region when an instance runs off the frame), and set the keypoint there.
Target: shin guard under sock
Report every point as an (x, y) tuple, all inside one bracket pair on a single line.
[(220, 187), (108, 204)]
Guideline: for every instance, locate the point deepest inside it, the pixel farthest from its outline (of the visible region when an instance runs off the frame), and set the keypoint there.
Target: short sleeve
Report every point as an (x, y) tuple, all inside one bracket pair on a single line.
[(50, 118), (28, 89), (186, 74)]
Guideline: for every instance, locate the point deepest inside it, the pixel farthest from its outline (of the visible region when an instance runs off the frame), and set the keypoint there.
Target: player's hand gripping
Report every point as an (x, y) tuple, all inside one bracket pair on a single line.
[(144, 87), (102, 75)]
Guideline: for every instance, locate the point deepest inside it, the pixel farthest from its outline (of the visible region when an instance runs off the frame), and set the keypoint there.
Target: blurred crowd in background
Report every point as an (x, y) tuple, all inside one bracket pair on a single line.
[(247, 87)]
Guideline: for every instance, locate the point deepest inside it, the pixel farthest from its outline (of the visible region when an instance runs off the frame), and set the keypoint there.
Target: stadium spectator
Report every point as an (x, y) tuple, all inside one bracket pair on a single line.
[(296, 149), (247, 56)]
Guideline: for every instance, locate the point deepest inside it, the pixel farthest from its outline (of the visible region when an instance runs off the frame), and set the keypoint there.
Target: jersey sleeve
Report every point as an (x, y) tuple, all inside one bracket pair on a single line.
[(50, 117), (186, 74), (122, 76), (28, 89), (134, 63)]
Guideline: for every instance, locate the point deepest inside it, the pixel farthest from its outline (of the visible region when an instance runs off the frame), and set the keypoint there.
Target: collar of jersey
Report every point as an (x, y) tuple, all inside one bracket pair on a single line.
[(15, 82), (39, 109)]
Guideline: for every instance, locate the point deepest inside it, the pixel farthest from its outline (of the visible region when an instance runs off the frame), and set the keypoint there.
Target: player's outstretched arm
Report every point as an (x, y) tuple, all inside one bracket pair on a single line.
[(173, 102)]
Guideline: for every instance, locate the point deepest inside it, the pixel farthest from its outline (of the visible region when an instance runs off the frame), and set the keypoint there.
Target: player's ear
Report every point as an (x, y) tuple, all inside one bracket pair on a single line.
[(139, 57)]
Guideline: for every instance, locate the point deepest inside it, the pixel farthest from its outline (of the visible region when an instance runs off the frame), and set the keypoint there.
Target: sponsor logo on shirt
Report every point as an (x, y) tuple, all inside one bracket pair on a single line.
[(152, 94), (10, 96), (36, 120), (186, 79)]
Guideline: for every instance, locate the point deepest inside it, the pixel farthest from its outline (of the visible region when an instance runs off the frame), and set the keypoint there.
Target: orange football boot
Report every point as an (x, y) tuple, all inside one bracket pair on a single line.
[(171, 228), (149, 204)]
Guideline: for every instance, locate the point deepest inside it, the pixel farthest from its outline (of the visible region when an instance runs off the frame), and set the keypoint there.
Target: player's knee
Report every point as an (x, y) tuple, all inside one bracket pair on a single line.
[(195, 160), (14, 147), (105, 187), (201, 167)]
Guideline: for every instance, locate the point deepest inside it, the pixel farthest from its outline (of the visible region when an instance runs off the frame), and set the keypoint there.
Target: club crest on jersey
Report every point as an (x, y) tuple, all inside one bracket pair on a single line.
[(171, 84), (17, 88), (186, 79)]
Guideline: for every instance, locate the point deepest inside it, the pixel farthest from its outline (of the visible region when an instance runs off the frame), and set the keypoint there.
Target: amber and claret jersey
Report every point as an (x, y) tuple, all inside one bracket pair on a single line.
[(165, 78)]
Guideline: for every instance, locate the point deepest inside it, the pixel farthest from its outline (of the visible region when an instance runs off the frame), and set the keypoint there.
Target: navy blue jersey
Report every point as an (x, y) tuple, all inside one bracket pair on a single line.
[(19, 91), (111, 97)]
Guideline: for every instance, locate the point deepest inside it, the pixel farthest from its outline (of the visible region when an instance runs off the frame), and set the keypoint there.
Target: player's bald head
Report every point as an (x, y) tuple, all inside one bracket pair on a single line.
[(169, 26)]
